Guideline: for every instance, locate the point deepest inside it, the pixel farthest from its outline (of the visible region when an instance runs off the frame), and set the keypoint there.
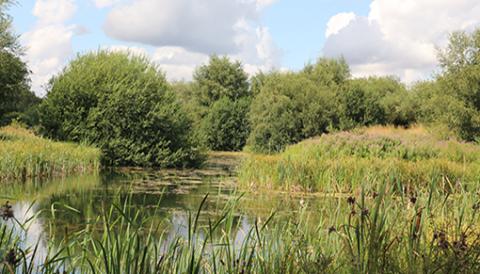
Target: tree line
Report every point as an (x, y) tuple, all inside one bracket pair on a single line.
[(123, 103)]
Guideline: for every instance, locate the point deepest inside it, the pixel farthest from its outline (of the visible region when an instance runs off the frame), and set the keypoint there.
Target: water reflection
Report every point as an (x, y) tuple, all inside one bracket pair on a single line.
[(170, 197)]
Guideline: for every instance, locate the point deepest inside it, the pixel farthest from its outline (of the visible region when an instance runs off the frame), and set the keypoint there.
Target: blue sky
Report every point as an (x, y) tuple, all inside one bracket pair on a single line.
[(378, 37)]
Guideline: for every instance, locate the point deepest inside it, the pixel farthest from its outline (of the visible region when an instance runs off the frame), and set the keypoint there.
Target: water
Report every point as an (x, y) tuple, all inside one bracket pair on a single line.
[(65, 206)]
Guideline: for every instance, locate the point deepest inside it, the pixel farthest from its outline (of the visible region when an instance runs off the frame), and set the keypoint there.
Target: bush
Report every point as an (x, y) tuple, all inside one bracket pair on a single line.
[(453, 99), (289, 108), (15, 94), (226, 126), (220, 78), (375, 101), (221, 104), (121, 103)]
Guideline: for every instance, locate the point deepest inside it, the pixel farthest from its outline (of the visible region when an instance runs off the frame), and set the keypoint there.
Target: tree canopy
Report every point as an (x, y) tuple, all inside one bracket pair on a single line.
[(222, 98), (15, 94), (123, 104)]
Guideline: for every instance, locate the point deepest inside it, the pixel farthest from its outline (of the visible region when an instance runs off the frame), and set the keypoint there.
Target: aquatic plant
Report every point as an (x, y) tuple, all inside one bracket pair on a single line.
[(369, 232)]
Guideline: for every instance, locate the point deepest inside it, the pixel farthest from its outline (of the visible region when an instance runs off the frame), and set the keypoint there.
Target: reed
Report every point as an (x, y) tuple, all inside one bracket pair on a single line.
[(24, 155), (377, 232), (342, 162)]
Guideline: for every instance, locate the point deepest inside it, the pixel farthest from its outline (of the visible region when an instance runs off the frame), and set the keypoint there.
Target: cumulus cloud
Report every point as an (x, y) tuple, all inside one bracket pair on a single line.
[(196, 25), (49, 43), (54, 11), (399, 37), (186, 32), (338, 22), (104, 3)]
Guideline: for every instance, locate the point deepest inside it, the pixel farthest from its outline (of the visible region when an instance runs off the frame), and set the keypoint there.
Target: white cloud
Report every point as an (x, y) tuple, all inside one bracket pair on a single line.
[(179, 64), (338, 22), (399, 36), (49, 43), (186, 32), (261, 4), (196, 25), (54, 11), (105, 3)]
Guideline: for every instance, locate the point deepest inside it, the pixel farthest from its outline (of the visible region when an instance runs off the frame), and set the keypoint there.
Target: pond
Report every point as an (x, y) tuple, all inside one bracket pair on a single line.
[(68, 205)]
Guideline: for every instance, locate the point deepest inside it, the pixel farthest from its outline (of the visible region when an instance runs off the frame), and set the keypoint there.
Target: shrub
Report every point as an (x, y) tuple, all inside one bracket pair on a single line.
[(453, 99), (121, 103), (374, 101), (221, 104), (226, 126), (15, 94), (289, 107)]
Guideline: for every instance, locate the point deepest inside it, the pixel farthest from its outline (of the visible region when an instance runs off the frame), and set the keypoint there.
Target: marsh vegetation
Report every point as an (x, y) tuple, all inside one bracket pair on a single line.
[(117, 170)]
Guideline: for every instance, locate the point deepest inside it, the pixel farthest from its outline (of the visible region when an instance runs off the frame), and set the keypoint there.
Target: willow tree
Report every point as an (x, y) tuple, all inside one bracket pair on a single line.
[(123, 104)]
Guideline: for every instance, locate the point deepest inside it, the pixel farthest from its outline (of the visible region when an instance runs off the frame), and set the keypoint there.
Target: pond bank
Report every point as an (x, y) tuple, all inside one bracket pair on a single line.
[(25, 156)]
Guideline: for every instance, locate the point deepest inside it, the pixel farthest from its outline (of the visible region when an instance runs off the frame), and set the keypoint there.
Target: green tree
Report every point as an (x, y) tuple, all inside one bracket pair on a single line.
[(453, 99), (222, 102), (226, 126), (123, 104), (374, 100), (15, 94), (289, 107), (328, 72), (220, 78)]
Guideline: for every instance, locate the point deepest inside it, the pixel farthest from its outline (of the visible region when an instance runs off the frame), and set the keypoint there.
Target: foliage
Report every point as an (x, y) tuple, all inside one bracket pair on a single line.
[(453, 99), (278, 110), (290, 107), (220, 78), (328, 72), (24, 155), (371, 232), (221, 104), (374, 101), (121, 103), (15, 94), (226, 126), (341, 162)]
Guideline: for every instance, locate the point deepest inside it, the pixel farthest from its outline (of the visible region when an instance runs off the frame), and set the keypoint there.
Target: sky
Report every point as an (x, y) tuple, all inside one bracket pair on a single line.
[(376, 37)]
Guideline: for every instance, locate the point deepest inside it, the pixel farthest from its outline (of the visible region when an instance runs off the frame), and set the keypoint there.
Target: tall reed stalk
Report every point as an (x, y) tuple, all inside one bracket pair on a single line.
[(24, 155)]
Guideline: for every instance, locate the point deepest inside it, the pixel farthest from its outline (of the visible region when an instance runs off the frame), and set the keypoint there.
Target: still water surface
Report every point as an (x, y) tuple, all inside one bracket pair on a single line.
[(170, 195)]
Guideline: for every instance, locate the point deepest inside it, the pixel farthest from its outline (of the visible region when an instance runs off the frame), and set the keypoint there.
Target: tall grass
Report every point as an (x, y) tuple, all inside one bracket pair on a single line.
[(24, 155), (379, 232), (342, 162)]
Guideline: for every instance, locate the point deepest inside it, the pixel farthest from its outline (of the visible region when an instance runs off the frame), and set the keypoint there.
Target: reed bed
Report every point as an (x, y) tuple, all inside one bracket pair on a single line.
[(372, 232), (24, 155), (344, 161)]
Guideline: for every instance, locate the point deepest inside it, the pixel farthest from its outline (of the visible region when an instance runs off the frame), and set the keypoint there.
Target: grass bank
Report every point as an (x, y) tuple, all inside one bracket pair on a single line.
[(341, 162), (24, 155)]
